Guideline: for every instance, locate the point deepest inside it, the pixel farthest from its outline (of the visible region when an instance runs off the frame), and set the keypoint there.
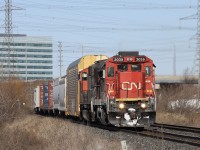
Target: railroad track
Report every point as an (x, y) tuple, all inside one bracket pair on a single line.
[(153, 133), (178, 128), (158, 134)]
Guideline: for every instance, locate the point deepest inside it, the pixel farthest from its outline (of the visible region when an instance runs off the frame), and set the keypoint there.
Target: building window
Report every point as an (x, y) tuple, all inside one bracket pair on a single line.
[(39, 56), (38, 72), (39, 67), (39, 45), (40, 50)]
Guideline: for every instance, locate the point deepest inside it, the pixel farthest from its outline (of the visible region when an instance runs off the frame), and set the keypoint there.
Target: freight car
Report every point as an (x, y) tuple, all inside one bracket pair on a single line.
[(59, 94), (43, 98), (117, 90)]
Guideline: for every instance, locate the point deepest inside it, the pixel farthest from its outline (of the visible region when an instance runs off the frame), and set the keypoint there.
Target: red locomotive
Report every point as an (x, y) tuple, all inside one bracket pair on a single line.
[(119, 91)]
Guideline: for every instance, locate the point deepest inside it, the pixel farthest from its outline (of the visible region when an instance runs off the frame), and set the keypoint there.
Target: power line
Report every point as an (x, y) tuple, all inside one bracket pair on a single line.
[(60, 57)]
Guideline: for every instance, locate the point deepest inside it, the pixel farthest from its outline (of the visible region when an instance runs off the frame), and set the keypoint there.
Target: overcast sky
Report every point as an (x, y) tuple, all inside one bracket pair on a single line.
[(152, 27)]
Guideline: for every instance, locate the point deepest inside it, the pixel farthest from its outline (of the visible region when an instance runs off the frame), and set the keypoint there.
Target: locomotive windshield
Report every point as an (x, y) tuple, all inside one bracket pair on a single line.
[(136, 68), (122, 67)]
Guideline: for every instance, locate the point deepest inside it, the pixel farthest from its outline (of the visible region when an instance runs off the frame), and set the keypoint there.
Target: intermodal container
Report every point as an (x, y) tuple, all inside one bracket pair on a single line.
[(46, 96), (50, 95), (41, 96), (56, 93)]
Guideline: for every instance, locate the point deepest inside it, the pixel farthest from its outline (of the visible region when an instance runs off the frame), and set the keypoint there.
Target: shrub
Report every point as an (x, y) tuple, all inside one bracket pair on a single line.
[(12, 96)]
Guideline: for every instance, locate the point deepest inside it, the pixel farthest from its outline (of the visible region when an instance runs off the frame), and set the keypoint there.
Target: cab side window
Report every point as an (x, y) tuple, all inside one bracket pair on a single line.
[(110, 72), (148, 71), (84, 76)]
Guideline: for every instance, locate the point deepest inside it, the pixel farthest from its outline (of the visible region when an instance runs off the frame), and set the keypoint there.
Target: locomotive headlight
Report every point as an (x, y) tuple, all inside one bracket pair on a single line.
[(143, 105), (121, 105)]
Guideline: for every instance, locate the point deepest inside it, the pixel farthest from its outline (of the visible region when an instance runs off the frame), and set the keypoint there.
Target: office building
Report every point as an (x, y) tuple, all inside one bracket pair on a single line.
[(30, 57)]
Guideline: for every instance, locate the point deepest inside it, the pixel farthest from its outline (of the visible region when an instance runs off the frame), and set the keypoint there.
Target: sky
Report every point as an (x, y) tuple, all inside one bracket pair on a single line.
[(158, 29)]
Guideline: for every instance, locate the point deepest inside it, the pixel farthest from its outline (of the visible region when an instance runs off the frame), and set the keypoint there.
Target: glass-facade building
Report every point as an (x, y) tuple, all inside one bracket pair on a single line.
[(30, 57)]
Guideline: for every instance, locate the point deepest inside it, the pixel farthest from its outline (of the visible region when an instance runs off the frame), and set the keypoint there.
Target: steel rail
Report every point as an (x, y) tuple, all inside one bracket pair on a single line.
[(178, 138), (176, 127), (190, 140)]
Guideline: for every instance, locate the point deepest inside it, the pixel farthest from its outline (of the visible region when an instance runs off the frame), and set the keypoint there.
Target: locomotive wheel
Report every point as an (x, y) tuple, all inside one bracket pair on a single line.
[(86, 115), (93, 117), (102, 117), (81, 116)]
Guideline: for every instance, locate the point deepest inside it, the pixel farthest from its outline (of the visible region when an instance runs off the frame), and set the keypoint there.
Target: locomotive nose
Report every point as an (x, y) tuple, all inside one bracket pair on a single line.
[(130, 85)]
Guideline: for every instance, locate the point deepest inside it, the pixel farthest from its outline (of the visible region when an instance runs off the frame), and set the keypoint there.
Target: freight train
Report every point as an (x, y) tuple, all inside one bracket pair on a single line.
[(115, 91)]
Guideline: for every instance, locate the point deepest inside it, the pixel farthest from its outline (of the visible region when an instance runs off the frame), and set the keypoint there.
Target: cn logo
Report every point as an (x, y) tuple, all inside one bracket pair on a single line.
[(129, 86)]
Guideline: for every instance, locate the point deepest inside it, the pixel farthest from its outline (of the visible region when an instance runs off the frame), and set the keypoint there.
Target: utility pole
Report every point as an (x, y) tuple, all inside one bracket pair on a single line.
[(174, 61), (82, 50), (198, 43), (26, 63), (8, 38), (8, 35), (60, 57)]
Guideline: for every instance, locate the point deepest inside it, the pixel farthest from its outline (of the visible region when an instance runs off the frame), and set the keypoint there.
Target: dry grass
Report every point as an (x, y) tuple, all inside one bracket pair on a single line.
[(36, 132), (179, 119), (12, 95), (16, 99), (182, 114)]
